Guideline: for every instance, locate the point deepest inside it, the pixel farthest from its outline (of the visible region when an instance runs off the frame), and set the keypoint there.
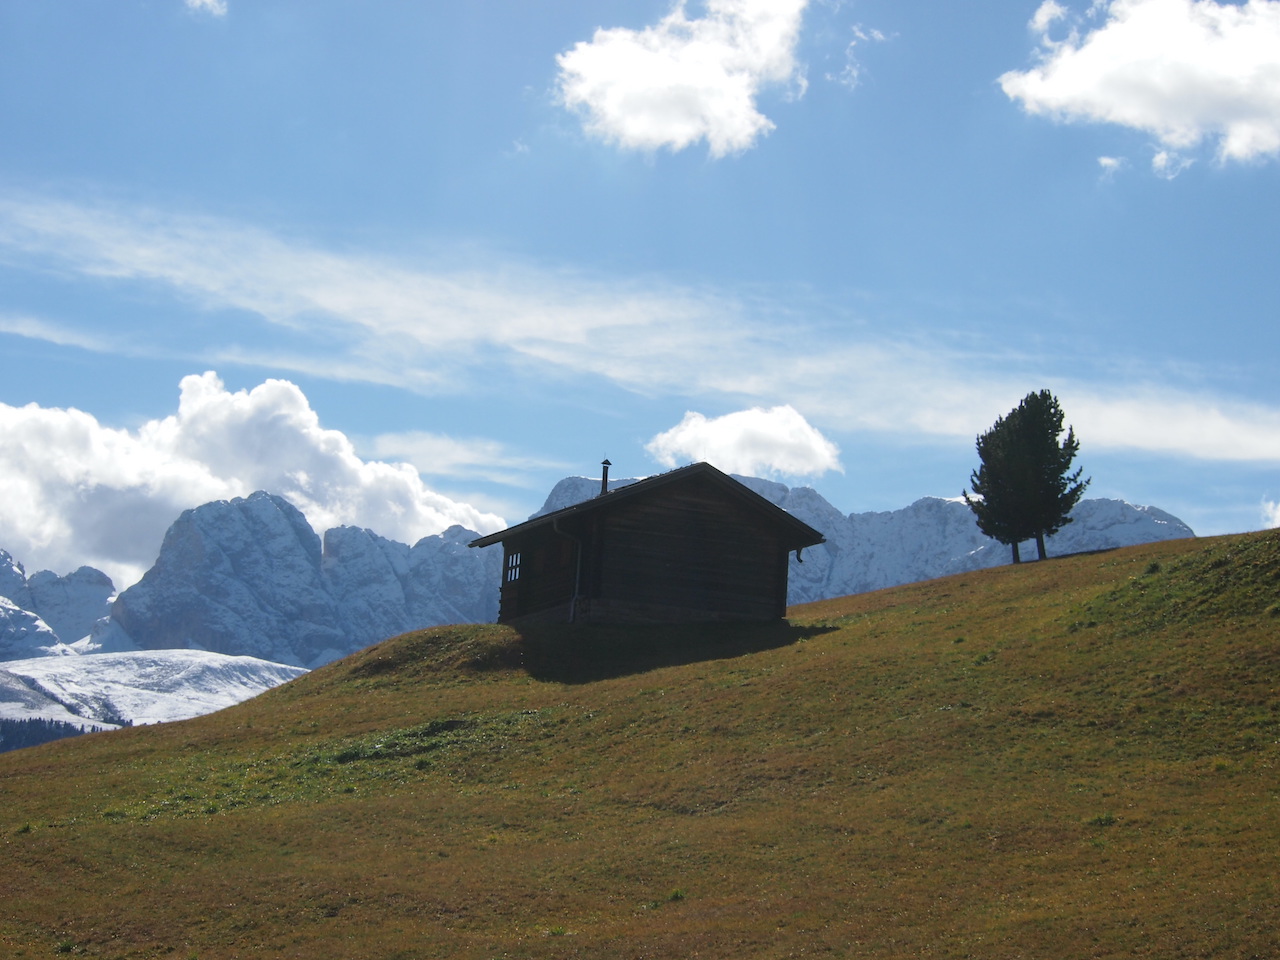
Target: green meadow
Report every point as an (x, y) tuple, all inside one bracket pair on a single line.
[(1068, 759)]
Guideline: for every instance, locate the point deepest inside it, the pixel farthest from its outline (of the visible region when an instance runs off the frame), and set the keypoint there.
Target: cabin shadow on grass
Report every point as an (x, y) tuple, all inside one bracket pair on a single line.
[(565, 653)]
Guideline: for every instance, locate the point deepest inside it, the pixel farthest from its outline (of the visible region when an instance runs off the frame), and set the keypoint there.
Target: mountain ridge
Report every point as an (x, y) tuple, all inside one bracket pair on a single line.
[(45, 613), (250, 577)]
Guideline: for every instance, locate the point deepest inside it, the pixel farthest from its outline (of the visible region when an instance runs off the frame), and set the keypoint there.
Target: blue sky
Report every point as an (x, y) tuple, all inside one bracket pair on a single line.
[(410, 263)]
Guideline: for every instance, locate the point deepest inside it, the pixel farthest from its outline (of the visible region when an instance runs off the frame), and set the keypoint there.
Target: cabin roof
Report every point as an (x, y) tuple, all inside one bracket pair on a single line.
[(796, 533)]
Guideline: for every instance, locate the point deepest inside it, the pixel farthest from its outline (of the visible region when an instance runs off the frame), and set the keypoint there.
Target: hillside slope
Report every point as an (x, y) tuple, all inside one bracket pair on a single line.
[(1074, 758)]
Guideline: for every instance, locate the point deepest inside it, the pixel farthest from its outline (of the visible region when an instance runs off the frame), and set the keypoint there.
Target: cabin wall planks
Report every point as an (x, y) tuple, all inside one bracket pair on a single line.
[(689, 545)]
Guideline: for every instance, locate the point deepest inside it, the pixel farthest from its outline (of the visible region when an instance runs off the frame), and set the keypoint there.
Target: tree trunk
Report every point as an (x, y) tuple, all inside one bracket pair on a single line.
[(1040, 545), (1017, 557)]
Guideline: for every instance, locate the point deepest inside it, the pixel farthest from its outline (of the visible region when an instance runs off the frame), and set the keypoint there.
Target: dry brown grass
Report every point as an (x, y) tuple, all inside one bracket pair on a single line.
[(1067, 759)]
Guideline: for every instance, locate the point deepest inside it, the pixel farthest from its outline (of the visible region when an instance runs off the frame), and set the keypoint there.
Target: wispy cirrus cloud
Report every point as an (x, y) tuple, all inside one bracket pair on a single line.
[(440, 455), (851, 74), (430, 328), (685, 79), (1158, 419), (411, 326), (1185, 71), (34, 328)]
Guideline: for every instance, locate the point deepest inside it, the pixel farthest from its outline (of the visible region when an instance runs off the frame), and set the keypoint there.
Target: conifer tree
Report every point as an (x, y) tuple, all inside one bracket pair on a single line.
[(1022, 487)]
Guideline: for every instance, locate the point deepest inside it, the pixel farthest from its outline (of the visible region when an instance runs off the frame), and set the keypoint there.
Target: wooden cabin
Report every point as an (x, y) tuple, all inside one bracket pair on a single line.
[(689, 545)]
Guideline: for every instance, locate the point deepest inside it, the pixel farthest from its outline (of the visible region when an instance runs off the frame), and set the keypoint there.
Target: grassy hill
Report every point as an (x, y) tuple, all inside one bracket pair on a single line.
[(1075, 758)]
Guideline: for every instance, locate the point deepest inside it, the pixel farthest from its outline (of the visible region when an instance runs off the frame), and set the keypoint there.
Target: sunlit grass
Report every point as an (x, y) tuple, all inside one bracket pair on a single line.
[(1067, 759)]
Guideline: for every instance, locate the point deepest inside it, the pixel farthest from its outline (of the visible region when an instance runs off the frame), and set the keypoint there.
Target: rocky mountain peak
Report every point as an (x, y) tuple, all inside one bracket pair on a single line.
[(71, 604), (249, 576), (13, 581), (46, 612)]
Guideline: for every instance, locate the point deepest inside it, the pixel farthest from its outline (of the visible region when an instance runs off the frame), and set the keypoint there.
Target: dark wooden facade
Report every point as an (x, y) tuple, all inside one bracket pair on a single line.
[(690, 545)]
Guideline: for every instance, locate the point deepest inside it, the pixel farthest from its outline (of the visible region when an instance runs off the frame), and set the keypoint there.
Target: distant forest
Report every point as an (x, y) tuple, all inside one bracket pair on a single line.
[(16, 734)]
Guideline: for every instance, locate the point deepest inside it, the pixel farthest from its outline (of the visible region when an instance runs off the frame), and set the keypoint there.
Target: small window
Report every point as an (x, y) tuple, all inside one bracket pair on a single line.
[(513, 568)]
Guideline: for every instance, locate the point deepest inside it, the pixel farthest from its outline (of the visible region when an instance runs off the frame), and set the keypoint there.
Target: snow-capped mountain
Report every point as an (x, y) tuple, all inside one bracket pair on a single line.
[(66, 607), (250, 577), (110, 689), (573, 490), (20, 701), (72, 604), (13, 581), (23, 634), (43, 679)]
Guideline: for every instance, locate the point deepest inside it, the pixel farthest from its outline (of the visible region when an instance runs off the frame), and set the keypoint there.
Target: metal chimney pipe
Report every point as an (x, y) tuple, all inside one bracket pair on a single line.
[(604, 477)]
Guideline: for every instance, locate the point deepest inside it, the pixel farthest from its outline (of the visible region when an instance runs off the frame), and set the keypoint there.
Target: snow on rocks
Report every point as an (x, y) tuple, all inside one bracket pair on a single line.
[(250, 577), (23, 634), (68, 607), (152, 686), (71, 605)]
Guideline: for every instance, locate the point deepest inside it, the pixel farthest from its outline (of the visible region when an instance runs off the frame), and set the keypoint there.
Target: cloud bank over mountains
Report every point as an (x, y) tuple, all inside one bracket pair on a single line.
[(73, 491), (1185, 71)]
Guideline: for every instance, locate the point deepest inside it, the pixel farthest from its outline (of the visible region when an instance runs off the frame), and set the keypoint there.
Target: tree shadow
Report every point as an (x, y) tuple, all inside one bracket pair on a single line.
[(569, 653)]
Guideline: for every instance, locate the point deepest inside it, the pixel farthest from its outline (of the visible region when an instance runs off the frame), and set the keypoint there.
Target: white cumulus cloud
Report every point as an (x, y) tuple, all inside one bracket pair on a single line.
[(757, 442), (74, 491), (1270, 514), (685, 79), (1184, 71)]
